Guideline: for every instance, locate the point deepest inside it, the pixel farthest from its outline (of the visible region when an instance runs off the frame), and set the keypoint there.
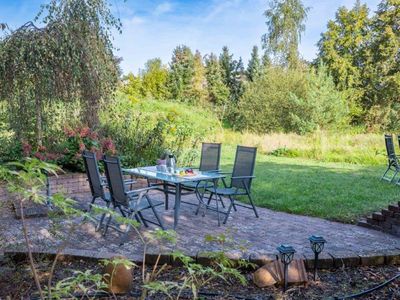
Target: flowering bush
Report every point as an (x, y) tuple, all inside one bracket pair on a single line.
[(68, 153), (81, 139)]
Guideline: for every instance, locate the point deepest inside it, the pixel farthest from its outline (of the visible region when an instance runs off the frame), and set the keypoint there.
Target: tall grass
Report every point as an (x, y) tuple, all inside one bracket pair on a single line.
[(328, 146)]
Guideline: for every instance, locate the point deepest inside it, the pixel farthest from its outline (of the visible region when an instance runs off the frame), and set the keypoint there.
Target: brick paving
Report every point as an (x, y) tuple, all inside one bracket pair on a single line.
[(346, 243)]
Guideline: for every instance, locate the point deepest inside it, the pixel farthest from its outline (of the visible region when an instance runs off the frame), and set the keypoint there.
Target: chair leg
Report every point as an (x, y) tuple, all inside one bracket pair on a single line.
[(141, 218), (217, 201), (222, 202), (102, 217), (128, 228), (252, 204), (200, 198), (384, 174), (233, 203), (229, 210), (394, 176), (107, 225), (155, 212), (209, 199)]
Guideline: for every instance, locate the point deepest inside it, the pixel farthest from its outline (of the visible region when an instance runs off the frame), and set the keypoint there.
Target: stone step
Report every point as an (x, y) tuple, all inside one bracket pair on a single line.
[(387, 213), (394, 208), (372, 221), (378, 216)]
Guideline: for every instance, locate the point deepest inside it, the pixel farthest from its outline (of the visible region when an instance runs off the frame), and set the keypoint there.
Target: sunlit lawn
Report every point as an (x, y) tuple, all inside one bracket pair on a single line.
[(335, 191)]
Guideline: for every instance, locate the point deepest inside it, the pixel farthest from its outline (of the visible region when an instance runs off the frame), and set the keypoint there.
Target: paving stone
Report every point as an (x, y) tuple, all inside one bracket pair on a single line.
[(261, 235), (345, 258), (392, 256), (372, 258), (325, 261)]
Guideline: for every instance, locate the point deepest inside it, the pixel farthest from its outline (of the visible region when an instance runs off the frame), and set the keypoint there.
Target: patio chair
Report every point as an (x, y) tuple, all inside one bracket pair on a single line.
[(209, 162), (96, 182), (393, 162), (241, 180), (130, 203)]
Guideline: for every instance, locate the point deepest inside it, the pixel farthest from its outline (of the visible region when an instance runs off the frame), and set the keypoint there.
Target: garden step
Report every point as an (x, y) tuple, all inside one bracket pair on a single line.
[(372, 221), (394, 208), (378, 216), (387, 213)]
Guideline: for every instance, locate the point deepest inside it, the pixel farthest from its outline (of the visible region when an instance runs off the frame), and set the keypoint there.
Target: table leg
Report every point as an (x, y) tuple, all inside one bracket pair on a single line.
[(166, 194), (177, 203)]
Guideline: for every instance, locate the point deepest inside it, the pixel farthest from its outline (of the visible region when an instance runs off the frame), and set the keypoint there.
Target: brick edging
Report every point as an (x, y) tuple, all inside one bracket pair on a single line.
[(327, 260), (387, 220)]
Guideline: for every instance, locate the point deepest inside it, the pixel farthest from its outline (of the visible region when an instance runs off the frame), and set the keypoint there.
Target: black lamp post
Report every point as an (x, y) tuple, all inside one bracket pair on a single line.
[(317, 245), (286, 254)]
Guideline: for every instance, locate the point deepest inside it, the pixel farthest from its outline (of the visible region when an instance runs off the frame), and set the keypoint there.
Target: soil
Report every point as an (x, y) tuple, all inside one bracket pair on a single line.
[(16, 283)]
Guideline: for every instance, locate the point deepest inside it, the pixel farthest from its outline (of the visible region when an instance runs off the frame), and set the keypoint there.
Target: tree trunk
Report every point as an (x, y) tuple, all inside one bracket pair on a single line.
[(39, 129), (91, 106)]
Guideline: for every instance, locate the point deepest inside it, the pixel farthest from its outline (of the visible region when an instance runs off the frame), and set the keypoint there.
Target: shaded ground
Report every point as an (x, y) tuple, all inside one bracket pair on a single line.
[(16, 282)]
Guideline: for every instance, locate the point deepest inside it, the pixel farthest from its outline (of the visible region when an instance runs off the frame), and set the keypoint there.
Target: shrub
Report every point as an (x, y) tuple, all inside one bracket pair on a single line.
[(291, 100), (77, 140), (143, 130)]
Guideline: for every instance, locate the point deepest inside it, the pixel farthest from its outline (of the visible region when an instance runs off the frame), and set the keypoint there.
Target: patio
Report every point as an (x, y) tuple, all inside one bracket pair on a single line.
[(348, 244)]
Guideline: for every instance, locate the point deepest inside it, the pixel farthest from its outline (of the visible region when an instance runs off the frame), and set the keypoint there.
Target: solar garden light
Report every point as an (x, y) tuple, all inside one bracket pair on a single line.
[(286, 254), (317, 245)]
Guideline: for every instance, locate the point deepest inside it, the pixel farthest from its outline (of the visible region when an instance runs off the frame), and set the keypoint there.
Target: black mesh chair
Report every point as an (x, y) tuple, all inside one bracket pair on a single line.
[(130, 203), (96, 182), (241, 180), (209, 162), (393, 162)]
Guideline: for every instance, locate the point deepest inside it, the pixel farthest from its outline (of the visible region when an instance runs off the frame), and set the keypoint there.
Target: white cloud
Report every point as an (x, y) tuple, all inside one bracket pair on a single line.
[(163, 8)]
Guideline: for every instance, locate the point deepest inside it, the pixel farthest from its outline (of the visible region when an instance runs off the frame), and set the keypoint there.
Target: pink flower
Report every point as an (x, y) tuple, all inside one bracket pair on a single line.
[(26, 148), (42, 149), (108, 146), (69, 132), (82, 147), (85, 131), (39, 155)]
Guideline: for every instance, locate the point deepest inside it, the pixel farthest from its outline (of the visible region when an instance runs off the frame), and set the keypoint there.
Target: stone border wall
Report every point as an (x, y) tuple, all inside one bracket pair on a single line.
[(387, 220)]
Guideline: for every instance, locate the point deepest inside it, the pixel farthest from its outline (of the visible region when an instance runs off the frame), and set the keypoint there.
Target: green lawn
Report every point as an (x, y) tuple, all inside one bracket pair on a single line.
[(335, 191)]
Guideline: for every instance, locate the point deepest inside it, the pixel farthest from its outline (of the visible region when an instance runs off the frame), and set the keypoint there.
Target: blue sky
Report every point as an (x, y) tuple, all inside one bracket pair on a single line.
[(152, 28)]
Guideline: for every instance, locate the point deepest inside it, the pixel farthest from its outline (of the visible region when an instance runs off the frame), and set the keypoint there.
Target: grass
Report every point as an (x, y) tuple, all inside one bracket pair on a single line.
[(340, 146), (335, 191)]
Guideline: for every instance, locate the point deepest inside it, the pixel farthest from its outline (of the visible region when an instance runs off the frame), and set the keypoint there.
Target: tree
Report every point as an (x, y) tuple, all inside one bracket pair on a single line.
[(154, 78), (199, 81), (132, 86), (285, 22), (342, 49), (217, 90), (233, 73), (381, 75), (70, 58), (323, 106), (254, 67), (181, 74)]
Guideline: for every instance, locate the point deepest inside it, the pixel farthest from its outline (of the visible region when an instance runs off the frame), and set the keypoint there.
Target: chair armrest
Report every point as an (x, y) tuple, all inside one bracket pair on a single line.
[(141, 190), (243, 177), (224, 173), (129, 181)]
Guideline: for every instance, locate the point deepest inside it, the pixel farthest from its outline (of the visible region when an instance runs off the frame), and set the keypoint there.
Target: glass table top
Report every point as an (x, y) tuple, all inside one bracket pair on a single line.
[(153, 173)]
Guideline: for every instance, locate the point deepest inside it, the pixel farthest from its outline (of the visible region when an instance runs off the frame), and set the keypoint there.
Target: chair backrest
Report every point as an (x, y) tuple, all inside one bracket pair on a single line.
[(115, 180), (245, 161), (390, 147), (93, 174), (210, 156)]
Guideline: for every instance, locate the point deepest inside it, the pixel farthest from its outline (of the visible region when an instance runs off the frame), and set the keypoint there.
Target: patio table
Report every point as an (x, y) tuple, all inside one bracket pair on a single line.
[(176, 180)]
